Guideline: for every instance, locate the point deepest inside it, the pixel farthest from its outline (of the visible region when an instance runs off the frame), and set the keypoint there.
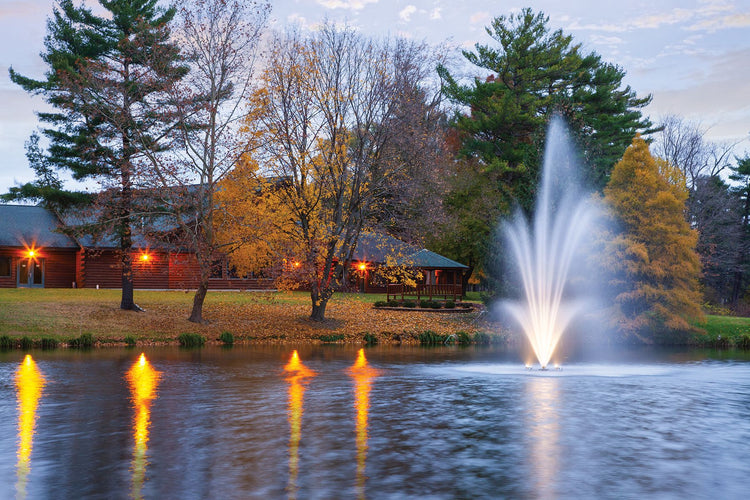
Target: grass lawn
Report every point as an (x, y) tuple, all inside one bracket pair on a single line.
[(249, 316), (725, 331)]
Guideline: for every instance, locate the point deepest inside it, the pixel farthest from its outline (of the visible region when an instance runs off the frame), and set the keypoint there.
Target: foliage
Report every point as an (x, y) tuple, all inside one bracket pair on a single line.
[(321, 122), (6, 343), (106, 80), (220, 44), (715, 212), (463, 337), (130, 341), (409, 303), (482, 338), (502, 118), (48, 343), (652, 257), (370, 339), (449, 304), (26, 343), (84, 341), (431, 338), (191, 340), (331, 338), (226, 338), (741, 177)]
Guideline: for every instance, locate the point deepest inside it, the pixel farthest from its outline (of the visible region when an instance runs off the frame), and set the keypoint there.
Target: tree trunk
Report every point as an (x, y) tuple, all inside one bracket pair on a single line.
[(319, 303), (196, 316), (127, 302)]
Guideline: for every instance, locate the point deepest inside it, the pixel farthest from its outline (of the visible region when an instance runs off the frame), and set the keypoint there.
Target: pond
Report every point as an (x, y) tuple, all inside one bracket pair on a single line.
[(384, 422)]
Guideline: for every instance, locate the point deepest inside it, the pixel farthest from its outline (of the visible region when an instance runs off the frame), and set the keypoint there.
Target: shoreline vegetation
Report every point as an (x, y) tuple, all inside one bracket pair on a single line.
[(84, 318)]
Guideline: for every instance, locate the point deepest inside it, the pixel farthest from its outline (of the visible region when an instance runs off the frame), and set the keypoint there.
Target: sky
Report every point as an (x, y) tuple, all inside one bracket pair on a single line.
[(692, 56)]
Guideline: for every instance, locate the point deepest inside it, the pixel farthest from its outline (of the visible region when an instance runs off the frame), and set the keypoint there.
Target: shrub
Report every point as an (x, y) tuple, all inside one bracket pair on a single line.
[(48, 343), (130, 341), (409, 303), (370, 339), (26, 343), (482, 338), (743, 341), (431, 338), (227, 338), (191, 340), (331, 338), (381, 303), (449, 304), (394, 303), (85, 341), (463, 338), (6, 342)]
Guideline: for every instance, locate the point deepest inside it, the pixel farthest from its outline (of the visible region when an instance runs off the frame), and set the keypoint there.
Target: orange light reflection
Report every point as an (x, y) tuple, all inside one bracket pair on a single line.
[(297, 378), (363, 376), (29, 384), (143, 380)]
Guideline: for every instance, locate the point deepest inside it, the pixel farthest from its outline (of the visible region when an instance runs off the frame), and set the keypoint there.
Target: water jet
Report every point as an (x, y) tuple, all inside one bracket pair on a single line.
[(545, 248)]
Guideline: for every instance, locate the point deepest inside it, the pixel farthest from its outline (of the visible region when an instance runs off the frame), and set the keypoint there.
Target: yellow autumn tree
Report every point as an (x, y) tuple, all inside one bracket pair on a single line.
[(321, 121), (652, 256), (250, 224)]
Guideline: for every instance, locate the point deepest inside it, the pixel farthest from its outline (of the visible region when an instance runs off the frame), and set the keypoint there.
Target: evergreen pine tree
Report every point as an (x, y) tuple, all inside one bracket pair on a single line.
[(106, 79)]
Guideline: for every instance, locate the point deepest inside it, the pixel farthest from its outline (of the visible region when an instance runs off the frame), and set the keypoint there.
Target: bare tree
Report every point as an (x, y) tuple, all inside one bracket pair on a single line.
[(220, 40), (323, 120), (683, 144)]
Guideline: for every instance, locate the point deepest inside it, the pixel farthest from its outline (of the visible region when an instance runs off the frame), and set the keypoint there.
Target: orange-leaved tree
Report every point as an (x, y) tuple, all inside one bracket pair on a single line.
[(651, 255)]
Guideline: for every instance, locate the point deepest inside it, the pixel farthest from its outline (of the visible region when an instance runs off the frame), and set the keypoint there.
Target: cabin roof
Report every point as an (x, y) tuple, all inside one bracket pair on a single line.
[(31, 225)]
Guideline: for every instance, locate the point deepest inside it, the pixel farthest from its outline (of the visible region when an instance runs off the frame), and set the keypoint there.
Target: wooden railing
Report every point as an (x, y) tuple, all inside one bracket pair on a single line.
[(429, 292)]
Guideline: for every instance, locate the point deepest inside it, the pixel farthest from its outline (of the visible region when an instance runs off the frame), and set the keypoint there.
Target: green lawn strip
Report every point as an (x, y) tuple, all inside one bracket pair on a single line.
[(723, 331)]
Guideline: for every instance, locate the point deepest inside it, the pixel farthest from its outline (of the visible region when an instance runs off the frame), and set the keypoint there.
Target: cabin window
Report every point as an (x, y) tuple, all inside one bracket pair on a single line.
[(4, 267)]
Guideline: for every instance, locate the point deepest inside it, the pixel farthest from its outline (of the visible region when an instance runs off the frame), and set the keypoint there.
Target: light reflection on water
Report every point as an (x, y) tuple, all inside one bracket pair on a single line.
[(29, 384), (375, 423), (143, 381), (297, 376)]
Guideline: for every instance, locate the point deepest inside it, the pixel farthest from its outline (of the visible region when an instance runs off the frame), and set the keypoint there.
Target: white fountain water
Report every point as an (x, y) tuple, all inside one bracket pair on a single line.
[(545, 250)]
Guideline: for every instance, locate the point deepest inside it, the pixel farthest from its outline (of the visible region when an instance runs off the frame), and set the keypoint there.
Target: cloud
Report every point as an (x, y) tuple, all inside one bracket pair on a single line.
[(741, 20), (345, 4), (479, 17), (406, 13), (436, 13)]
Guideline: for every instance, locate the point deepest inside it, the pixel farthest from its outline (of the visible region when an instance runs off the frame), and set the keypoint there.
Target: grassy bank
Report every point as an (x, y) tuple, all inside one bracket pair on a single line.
[(249, 316), (724, 331)]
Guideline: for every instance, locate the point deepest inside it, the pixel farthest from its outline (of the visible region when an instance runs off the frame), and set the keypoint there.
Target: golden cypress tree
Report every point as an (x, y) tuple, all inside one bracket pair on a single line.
[(652, 256)]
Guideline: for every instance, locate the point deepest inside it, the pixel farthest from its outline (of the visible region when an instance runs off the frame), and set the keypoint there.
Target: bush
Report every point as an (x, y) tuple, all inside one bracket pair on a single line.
[(6, 342), (409, 303), (449, 304), (331, 338), (743, 341), (48, 343), (130, 341), (26, 343), (370, 339), (430, 304), (227, 338), (393, 303), (191, 340), (463, 338), (482, 338), (85, 341), (431, 338), (381, 303)]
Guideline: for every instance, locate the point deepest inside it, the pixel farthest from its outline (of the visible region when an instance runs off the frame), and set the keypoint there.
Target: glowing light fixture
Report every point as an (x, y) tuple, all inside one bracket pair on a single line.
[(362, 266), (31, 253), (145, 257)]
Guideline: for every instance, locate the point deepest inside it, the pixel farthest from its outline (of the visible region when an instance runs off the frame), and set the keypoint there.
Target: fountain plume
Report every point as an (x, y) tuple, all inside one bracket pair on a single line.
[(544, 250)]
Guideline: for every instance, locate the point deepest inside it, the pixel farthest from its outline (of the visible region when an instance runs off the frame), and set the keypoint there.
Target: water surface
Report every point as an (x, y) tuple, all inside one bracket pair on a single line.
[(390, 422)]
